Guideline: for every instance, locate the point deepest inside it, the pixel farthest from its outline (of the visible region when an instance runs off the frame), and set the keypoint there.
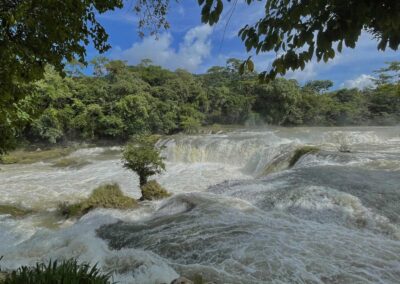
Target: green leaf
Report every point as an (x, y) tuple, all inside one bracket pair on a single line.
[(250, 65)]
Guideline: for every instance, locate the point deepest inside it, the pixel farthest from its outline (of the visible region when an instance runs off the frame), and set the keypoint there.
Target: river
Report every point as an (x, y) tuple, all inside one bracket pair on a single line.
[(238, 213)]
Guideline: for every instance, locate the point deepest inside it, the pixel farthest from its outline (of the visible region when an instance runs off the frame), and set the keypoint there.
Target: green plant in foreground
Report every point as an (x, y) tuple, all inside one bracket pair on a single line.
[(65, 272), (105, 196), (300, 152)]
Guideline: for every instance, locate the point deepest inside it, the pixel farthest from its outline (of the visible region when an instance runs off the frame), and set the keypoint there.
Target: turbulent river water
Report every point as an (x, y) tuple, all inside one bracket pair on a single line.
[(238, 213)]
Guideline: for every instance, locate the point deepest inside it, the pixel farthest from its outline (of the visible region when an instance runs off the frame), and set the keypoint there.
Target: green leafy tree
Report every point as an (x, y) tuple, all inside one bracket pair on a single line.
[(48, 127), (278, 102), (141, 156), (190, 125), (88, 121), (34, 34), (389, 74), (37, 33), (384, 104), (302, 29), (319, 86), (99, 65), (134, 111)]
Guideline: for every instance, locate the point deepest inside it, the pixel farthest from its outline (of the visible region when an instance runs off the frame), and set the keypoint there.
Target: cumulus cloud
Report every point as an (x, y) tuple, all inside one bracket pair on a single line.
[(308, 73), (313, 69), (191, 53), (361, 82)]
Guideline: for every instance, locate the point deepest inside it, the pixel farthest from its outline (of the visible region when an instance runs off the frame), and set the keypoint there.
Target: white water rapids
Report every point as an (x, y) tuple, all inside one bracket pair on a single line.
[(238, 214)]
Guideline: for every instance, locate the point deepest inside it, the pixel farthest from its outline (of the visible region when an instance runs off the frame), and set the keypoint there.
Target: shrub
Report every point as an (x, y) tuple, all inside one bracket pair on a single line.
[(300, 152), (344, 148), (66, 272), (105, 196), (153, 190)]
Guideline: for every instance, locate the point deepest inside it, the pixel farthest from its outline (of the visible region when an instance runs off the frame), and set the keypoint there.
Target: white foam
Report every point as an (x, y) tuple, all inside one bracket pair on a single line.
[(80, 241)]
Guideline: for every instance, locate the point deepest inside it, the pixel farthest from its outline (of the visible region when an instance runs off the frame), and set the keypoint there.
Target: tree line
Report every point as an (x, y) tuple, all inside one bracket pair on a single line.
[(118, 101)]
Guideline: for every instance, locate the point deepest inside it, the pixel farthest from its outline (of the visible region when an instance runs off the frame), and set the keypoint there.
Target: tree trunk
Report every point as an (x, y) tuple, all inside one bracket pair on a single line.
[(142, 180)]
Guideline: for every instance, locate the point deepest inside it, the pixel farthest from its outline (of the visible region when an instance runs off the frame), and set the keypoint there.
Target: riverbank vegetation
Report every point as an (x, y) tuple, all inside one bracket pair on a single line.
[(118, 101), (28, 157)]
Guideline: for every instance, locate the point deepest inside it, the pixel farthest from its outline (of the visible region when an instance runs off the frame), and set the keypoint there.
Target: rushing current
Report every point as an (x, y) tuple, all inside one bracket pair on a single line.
[(238, 213)]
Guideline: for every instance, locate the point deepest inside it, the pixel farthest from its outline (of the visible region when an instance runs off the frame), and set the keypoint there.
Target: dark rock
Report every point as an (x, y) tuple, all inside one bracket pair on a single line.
[(182, 280)]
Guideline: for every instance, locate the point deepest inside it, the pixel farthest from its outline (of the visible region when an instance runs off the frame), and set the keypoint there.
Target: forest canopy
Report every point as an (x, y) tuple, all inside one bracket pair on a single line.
[(119, 101)]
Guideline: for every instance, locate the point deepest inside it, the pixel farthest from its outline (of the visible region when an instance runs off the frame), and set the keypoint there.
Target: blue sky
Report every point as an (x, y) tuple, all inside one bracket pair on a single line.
[(193, 46)]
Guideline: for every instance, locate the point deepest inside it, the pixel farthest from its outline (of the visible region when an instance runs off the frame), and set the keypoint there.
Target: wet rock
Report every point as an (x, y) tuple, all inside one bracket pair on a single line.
[(300, 152), (182, 280)]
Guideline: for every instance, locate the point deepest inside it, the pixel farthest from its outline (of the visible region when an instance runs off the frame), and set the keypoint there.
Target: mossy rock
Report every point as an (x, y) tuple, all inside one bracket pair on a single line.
[(30, 157), (14, 211), (105, 196), (75, 163), (152, 190), (300, 152)]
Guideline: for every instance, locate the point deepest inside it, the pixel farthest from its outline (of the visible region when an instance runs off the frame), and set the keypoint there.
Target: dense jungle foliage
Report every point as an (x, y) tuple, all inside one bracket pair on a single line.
[(118, 101)]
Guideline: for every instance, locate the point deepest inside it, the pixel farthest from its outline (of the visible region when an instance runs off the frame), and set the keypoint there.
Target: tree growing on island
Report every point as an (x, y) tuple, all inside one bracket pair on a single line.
[(143, 157)]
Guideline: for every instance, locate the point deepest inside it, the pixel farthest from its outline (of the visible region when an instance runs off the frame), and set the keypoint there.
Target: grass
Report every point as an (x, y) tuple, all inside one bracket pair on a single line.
[(65, 272), (30, 157), (70, 163), (14, 211), (300, 152), (105, 196), (152, 190)]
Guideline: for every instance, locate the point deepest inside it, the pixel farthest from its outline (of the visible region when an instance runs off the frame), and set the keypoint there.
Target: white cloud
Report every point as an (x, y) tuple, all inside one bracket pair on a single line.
[(308, 73), (361, 82), (193, 50), (313, 69)]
